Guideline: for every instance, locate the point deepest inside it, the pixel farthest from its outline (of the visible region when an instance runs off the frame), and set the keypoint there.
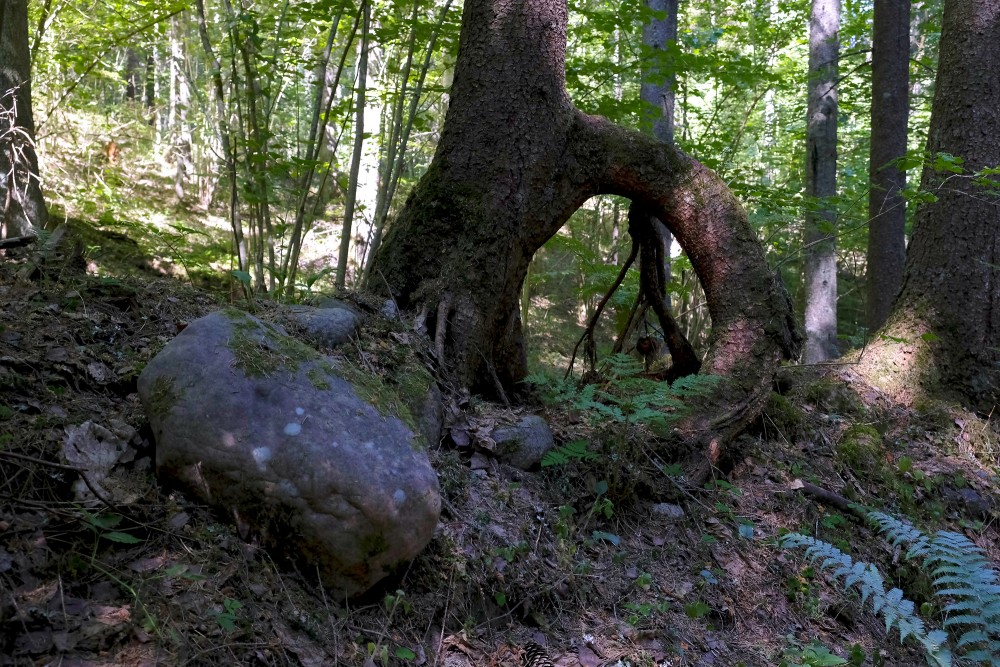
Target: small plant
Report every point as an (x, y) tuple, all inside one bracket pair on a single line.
[(229, 614), (696, 609), (959, 572), (890, 605), (397, 601), (813, 655), (104, 526), (626, 398), (578, 450), (641, 611)]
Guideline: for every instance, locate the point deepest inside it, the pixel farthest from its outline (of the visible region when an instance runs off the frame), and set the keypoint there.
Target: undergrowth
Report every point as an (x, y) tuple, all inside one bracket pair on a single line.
[(962, 578), (624, 397)]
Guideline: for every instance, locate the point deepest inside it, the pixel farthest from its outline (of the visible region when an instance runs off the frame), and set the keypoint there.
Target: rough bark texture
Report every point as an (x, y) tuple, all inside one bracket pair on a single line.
[(20, 191), (821, 183), (515, 160), (952, 280), (890, 114), (657, 88), (657, 91)]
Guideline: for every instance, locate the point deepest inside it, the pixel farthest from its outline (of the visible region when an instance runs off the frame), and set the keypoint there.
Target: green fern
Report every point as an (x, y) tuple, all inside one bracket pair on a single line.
[(626, 397), (578, 450), (891, 605), (961, 573)]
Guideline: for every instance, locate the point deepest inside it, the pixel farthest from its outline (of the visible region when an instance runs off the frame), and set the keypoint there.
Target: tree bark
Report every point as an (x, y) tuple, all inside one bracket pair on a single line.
[(658, 79), (889, 118), (23, 209), (657, 91), (515, 160), (359, 135), (949, 306), (133, 74), (821, 183)]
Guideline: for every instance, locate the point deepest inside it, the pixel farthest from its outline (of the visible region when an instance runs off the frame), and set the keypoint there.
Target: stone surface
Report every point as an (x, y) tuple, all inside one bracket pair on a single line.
[(524, 444), (257, 424), (329, 326), (668, 510)]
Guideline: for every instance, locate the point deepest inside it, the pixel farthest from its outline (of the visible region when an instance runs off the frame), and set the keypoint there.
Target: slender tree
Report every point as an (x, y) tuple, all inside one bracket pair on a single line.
[(515, 160), (821, 183), (24, 209), (948, 311), (658, 79), (359, 135), (890, 116)]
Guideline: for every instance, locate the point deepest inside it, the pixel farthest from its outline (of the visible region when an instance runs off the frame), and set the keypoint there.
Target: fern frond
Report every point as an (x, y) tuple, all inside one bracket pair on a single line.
[(960, 573), (578, 450), (895, 610)]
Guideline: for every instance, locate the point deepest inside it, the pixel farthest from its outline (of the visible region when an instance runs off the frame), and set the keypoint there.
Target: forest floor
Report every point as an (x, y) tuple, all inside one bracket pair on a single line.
[(640, 572)]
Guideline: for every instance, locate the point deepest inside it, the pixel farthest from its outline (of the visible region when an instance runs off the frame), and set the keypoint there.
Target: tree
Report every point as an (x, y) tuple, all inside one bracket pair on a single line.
[(514, 161), (659, 33), (24, 209), (948, 311), (821, 183), (890, 115)]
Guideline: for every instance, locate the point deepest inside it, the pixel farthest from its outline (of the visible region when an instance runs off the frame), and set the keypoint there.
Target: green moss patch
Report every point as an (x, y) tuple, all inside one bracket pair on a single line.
[(162, 397), (260, 350)]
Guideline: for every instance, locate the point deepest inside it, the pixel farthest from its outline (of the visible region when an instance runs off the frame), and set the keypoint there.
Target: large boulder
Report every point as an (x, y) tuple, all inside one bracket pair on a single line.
[(261, 426)]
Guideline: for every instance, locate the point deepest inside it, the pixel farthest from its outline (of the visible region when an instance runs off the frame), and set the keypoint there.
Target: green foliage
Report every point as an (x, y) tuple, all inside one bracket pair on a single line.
[(229, 615), (696, 609), (578, 450), (814, 654), (104, 526), (891, 605), (961, 575), (625, 397)]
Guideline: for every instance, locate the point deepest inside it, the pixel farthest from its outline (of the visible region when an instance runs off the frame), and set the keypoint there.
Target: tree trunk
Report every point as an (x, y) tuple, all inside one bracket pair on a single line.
[(821, 183), (23, 209), (890, 115), (949, 306), (133, 74), (657, 91), (515, 160), (658, 78), (180, 101), (359, 136)]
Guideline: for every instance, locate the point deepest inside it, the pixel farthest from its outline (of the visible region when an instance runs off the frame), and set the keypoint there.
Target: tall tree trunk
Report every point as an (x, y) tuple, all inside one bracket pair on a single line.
[(657, 91), (515, 160), (133, 74), (359, 137), (658, 79), (21, 199), (821, 183), (180, 102), (890, 115), (226, 140), (150, 92), (949, 308)]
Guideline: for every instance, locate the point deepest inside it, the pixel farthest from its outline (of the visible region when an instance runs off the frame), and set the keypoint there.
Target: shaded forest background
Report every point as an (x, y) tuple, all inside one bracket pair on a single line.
[(126, 96)]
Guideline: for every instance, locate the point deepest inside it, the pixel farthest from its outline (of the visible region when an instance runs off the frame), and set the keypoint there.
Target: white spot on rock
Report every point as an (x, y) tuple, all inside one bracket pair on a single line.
[(292, 428), (300, 411), (399, 497), (261, 455)]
